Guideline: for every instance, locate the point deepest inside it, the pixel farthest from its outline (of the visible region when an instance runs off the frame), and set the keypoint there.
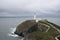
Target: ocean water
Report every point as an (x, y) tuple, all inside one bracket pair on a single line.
[(8, 26)]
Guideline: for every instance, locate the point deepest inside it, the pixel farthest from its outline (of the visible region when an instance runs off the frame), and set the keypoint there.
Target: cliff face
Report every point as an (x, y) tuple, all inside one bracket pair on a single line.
[(41, 30), (25, 27)]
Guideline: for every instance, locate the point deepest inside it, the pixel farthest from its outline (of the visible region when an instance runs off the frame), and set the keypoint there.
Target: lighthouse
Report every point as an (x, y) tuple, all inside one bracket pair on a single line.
[(35, 17)]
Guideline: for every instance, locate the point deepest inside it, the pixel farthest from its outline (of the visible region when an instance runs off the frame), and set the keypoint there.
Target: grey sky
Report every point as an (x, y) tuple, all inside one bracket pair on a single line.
[(29, 7)]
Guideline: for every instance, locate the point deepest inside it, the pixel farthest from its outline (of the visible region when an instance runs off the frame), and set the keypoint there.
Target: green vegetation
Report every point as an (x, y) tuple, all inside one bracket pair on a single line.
[(38, 35), (54, 25), (24, 26), (42, 30), (53, 32)]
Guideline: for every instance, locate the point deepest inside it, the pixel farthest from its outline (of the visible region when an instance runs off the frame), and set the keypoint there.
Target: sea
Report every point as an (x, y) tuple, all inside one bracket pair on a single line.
[(8, 26)]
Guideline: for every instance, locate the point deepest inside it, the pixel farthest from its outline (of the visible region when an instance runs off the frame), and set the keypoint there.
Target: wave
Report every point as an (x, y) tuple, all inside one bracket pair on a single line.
[(12, 30)]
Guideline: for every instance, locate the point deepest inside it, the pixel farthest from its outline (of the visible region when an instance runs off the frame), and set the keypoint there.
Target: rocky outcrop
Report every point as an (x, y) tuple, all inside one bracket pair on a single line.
[(26, 27), (41, 30)]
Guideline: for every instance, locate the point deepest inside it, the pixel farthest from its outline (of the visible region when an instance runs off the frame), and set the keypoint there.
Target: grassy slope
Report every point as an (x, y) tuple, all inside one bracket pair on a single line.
[(25, 25), (54, 25), (51, 31), (40, 36), (50, 35)]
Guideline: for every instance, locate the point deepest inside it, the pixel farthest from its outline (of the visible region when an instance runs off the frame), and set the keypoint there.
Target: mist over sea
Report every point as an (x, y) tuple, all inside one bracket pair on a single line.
[(8, 26)]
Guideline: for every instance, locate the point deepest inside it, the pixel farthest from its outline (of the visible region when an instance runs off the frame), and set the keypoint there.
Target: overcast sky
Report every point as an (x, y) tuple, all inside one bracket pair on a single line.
[(29, 7)]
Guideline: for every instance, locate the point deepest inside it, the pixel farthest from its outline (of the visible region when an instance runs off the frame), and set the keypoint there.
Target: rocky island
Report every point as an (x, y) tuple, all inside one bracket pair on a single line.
[(41, 30)]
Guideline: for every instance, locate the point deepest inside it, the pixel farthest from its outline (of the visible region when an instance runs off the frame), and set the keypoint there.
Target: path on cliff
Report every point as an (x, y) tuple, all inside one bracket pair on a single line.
[(51, 26), (54, 27), (46, 26)]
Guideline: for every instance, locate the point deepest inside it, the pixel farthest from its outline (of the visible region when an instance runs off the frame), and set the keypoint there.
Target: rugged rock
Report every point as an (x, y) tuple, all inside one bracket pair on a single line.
[(26, 27), (59, 38), (41, 30)]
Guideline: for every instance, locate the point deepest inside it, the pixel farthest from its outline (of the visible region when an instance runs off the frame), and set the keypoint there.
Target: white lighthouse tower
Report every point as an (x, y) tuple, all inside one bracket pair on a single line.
[(35, 17)]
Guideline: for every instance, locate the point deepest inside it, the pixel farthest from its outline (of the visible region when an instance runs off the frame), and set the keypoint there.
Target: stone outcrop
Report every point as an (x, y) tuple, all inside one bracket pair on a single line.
[(25, 27), (41, 30)]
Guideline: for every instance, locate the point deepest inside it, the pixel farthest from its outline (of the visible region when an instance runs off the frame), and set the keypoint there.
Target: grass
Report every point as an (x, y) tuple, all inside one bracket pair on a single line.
[(53, 32), (38, 35)]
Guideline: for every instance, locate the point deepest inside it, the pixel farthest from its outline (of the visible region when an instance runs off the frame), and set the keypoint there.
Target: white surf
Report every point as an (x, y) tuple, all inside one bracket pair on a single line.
[(12, 30)]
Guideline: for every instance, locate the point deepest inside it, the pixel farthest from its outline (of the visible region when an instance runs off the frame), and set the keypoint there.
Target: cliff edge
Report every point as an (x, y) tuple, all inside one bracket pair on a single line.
[(41, 30)]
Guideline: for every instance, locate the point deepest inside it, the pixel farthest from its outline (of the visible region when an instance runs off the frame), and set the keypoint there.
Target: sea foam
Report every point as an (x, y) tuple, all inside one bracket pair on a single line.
[(12, 30)]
